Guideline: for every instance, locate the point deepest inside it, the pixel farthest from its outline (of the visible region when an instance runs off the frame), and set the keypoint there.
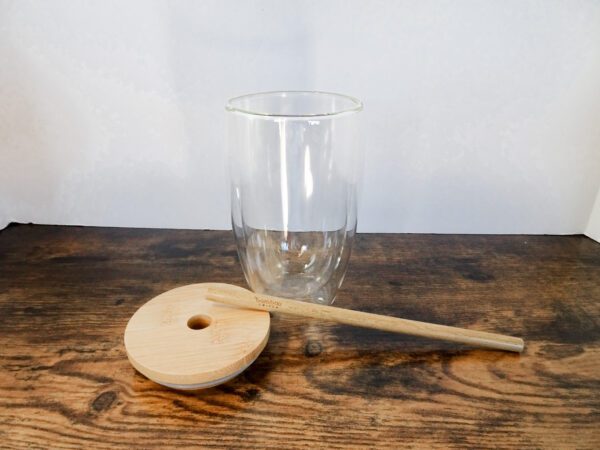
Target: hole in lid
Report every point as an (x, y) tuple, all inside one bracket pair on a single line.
[(199, 322)]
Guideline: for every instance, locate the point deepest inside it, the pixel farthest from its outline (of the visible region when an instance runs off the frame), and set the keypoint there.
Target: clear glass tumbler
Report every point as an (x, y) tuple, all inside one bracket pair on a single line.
[(295, 159)]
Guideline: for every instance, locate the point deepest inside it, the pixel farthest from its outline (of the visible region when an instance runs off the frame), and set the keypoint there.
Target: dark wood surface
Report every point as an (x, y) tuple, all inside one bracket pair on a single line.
[(66, 294)]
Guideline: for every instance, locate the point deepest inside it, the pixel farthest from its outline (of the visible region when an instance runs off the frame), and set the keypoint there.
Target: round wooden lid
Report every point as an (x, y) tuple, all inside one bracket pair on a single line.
[(181, 340)]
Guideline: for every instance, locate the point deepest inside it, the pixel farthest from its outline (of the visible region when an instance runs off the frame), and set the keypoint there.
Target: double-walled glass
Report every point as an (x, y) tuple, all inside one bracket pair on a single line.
[(295, 159)]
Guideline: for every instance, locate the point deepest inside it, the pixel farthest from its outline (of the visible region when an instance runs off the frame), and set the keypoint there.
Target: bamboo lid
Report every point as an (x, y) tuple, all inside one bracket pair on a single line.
[(183, 341)]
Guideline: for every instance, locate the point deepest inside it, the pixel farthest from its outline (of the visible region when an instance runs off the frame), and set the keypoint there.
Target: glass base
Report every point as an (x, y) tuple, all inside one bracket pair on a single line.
[(303, 265)]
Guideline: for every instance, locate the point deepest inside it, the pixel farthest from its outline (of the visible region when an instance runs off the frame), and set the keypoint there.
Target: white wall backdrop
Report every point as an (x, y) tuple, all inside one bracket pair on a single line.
[(481, 116)]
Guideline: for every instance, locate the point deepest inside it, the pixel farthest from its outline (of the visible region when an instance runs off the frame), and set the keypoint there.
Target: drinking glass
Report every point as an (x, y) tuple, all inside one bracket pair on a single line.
[(295, 159)]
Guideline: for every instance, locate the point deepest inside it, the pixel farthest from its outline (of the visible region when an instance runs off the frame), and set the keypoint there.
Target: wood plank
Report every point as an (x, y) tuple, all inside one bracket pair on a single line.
[(66, 294)]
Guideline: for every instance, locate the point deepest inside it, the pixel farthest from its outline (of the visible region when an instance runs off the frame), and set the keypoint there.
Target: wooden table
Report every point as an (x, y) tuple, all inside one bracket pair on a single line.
[(66, 294)]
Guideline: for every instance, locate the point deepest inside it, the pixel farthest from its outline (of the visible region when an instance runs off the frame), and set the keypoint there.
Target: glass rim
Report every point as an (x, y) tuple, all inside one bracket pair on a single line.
[(357, 105)]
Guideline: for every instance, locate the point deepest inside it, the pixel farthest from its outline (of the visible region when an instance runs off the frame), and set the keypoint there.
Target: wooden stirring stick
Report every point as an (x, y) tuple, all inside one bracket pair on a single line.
[(243, 298)]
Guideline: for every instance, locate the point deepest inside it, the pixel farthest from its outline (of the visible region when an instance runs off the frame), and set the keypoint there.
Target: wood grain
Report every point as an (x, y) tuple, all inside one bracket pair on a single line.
[(66, 294)]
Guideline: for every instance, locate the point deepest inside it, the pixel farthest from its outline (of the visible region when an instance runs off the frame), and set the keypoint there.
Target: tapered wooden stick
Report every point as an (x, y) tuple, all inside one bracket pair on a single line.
[(243, 298)]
